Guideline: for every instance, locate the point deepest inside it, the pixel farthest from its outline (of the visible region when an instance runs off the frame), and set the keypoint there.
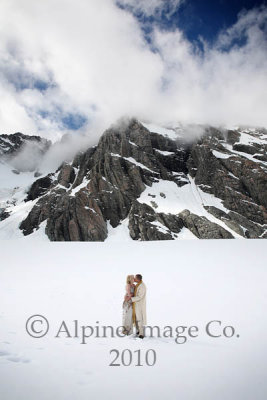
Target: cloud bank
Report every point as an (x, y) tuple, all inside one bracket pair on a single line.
[(78, 66), (151, 7)]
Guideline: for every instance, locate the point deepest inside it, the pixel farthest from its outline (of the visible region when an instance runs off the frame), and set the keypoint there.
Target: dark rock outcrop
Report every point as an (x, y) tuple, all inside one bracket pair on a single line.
[(202, 228), (237, 180), (103, 184), (39, 188), (146, 224), (3, 214)]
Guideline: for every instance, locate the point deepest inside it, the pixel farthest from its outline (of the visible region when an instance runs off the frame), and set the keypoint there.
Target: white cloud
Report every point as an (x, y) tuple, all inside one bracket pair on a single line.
[(218, 86), (151, 7), (92, 59)]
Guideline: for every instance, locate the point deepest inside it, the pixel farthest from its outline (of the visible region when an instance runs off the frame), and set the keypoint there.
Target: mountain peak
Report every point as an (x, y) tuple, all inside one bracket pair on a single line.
[(145, 177)]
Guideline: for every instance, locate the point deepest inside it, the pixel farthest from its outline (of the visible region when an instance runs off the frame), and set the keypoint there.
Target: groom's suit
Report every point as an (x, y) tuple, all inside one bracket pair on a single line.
[(139, 311)]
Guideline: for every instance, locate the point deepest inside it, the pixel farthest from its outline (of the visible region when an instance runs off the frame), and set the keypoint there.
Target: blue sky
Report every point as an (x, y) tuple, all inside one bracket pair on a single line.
[(159, 60), (196, 18), (207, 18)]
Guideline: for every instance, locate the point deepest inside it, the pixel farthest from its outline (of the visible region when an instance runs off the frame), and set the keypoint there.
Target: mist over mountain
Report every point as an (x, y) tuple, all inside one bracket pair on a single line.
[(140, 181), (128, 57)]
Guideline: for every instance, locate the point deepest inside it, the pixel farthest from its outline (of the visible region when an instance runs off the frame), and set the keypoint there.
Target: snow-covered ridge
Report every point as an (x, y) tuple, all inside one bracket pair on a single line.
[(161, 130), (181, 188)]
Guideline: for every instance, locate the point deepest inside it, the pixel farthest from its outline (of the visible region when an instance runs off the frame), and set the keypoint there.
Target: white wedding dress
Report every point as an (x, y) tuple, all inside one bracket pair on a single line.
[(127, 317)]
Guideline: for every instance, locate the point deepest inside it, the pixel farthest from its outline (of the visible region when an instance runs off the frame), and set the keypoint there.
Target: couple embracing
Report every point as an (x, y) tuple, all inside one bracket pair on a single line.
[(134, 306)]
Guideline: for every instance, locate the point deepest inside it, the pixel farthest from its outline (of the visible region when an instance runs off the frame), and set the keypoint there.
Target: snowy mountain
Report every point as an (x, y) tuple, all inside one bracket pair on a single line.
[(139, 182)]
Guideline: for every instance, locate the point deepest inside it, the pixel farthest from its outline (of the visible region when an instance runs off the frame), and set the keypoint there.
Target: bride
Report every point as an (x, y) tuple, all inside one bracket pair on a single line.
[(127, 307)]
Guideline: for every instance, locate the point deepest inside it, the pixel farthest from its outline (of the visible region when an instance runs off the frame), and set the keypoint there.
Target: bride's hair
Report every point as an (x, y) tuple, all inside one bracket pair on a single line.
[(129, 278)]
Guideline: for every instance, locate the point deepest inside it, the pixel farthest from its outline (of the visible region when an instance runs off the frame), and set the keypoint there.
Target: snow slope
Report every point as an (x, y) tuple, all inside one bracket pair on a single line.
[(170, 198), (188, 283), (161, 130), (13, 188), (167, 198)]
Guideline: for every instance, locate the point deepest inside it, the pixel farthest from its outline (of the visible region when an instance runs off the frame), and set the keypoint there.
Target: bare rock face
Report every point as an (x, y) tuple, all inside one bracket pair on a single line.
[(237, 179), (3, 214), (202, 228), (232, 137), (146, 224), (103, 184), (39, 187)]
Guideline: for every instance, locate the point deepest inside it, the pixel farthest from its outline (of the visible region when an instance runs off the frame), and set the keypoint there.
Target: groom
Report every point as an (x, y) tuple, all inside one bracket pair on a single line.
[(139, 306)]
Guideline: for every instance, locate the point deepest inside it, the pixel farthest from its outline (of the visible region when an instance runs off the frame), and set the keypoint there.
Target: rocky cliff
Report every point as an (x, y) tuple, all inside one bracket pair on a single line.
[(157, 185)]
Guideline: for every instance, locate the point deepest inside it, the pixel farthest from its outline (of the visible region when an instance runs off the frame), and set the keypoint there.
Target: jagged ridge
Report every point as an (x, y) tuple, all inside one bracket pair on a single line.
[(118, 180)]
